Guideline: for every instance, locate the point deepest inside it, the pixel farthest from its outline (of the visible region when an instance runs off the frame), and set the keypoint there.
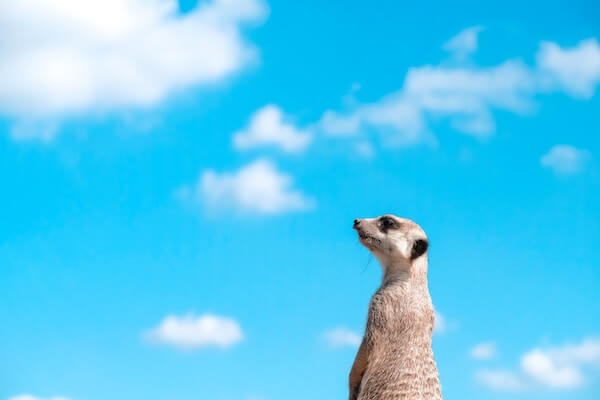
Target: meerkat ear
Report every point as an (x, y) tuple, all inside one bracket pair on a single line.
[(419, 248)]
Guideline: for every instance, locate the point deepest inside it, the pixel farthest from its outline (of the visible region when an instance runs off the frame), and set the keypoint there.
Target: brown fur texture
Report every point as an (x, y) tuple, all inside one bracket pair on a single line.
[(395, 360)]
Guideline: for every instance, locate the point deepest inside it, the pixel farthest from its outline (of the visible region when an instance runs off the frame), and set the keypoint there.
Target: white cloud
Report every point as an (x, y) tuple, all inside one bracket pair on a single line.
[(74, 56), (440, 325), (483, 351), (342, 337), (268, 126), (565, 159), (464, 43), (466, 95), (192, 332), (541, 367), (576, 70), (501, 380), (552, 368), (31, 397), (256, 188), (471, 93), (587, 352)]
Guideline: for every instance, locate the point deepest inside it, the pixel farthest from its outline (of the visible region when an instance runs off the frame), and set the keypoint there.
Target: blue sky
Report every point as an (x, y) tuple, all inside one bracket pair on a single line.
[(180, 180)]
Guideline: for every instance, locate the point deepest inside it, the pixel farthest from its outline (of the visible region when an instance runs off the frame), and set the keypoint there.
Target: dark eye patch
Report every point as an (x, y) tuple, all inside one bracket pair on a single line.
[(386, 223)]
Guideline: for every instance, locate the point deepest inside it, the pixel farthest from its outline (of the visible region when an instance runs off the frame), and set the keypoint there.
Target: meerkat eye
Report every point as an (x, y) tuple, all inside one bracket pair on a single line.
[(387, 223)]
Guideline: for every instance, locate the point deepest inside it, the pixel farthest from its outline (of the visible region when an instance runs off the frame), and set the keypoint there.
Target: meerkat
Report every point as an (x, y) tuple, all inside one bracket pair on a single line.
[(395, 359)]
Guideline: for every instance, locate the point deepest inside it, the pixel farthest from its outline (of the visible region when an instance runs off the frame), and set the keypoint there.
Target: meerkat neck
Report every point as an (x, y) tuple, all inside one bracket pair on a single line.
[(402, 273), (394, 274)]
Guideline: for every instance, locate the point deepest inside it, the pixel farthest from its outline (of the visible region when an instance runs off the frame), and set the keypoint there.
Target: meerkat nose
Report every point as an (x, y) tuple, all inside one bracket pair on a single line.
[(356, 223)]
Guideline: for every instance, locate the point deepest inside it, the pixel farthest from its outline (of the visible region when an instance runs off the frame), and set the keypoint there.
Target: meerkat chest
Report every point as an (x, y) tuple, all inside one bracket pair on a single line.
[(392, 313)]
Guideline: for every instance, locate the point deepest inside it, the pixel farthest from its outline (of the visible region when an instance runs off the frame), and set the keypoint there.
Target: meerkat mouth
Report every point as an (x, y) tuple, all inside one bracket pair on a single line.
[(369, 241)]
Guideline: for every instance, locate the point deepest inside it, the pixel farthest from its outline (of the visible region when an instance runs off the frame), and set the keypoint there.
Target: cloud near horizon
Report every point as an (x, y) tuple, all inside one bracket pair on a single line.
[(555, 368)]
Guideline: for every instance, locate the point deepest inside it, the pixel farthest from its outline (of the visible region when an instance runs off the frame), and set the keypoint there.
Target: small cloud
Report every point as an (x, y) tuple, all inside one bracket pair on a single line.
[(576, 69), (500, 380), (31, 397), (192, 332), (365, 150), (342, 337), (565, 159), (464, 43), (547, 371), (268, 126), (558, 368), (256, 188), (442, 325), (483, 351), (439, 324)]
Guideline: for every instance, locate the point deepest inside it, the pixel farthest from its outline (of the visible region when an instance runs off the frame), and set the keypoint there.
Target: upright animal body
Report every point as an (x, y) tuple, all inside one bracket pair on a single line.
[(395, 359)]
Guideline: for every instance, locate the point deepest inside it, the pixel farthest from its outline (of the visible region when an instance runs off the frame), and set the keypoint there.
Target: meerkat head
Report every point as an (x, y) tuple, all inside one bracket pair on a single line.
[(393, 240)]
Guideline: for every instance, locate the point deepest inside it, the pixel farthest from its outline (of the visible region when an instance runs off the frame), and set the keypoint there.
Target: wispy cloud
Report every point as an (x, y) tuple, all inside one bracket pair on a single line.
[(76, 56), (269, 127), (483, 351), (464, 95), (467, 95), (565, 159), (464, 43), (193, 332), (342, 337), (257, 188), (557, 368)]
